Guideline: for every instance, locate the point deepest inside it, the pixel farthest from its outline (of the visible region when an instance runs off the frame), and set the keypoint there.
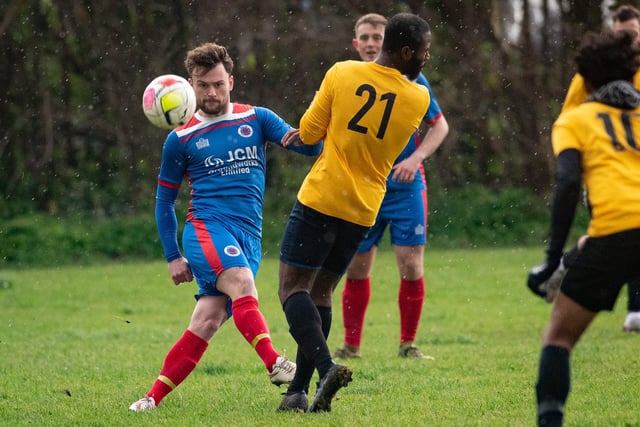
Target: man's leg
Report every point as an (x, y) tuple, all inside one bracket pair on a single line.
[(237, 282), (355, 300), (208, 315), (568, 322), (411, 295)]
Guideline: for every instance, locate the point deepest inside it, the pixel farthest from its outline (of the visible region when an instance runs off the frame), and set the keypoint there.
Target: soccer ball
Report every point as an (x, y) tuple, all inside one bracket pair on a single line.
[(169, 101)]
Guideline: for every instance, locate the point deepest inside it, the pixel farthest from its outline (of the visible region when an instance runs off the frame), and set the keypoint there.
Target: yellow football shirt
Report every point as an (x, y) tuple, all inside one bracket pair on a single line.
[(609, 140), (365, 113)]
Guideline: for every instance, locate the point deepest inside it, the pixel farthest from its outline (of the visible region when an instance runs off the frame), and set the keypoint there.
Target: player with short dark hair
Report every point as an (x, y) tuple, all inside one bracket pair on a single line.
[(222, 153), (404, 211), (596, 143), (365, 112)]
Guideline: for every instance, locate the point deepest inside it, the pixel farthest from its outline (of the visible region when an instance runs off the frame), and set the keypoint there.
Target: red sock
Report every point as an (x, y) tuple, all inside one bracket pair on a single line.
[(178, 364), (253, 327), (355, 299), (410, 300)]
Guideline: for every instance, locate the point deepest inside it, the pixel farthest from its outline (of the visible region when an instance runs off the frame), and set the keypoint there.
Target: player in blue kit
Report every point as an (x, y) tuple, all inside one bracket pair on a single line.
[(221, 152)]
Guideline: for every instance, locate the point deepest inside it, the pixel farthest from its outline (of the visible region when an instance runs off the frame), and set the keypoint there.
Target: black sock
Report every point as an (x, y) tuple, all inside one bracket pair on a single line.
[(633, 304), (304, 373), (326, 317), (305, 368), (554, 382), (305, 326)]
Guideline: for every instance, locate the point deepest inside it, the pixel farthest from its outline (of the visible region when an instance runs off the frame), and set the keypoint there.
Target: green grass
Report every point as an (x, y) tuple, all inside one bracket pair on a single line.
[(79, 344)]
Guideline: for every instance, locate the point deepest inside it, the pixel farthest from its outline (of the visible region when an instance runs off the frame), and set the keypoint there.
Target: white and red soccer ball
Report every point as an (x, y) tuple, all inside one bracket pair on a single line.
[(169, 101)]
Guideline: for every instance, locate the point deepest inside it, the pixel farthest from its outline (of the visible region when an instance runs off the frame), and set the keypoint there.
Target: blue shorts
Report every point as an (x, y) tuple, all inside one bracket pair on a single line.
[(316, 241), (213, 246), (600, 269), (405, 212)]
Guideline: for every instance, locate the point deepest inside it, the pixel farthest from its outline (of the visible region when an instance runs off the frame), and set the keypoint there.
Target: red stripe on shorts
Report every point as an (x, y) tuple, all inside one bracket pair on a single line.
[(208, 248)]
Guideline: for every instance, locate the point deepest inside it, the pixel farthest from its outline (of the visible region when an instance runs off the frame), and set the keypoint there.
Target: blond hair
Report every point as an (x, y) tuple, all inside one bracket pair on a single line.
[(373, 19)]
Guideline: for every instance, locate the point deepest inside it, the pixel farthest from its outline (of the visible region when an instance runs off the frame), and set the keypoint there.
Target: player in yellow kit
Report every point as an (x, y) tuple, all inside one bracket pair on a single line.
[(596, 143), (403, 212), (625, 18), (365, 112)]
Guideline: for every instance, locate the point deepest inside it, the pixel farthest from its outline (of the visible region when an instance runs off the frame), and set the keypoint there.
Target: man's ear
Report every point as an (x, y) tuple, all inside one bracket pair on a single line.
[(406, 53)]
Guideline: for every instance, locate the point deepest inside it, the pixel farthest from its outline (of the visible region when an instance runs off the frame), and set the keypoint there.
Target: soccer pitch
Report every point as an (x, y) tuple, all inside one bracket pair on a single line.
[(79, 344)]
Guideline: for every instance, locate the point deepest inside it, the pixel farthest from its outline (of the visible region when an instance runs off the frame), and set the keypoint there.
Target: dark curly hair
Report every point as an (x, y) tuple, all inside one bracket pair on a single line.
[(608, 56)]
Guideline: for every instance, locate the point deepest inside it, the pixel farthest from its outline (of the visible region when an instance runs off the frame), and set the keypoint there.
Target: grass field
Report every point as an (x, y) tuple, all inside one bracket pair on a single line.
[(79, 344)]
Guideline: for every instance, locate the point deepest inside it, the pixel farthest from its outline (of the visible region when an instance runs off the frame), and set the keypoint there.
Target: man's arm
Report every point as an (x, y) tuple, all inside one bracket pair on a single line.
[(436, 133), (315, 121), (166, 220), (565, 201), (283, 134), (291, 141), (405, 170)]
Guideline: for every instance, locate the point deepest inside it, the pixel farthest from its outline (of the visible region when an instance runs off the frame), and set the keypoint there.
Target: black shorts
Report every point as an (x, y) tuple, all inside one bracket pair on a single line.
[(600, 269), (316, 241)]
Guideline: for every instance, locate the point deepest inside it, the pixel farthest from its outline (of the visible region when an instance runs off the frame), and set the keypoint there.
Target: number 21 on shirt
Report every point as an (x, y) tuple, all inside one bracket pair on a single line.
[(371, 95)]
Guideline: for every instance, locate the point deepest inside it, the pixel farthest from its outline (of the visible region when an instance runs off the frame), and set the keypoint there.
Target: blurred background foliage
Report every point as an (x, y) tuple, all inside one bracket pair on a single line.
[(76, 150)]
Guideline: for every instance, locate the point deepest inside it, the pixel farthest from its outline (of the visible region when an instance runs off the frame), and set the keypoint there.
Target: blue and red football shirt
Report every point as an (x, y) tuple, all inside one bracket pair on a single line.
[(224, 161)]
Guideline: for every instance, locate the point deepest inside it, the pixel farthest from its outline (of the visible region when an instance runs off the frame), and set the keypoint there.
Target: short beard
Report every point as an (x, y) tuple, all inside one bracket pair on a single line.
[(213, 112), (414, 69)]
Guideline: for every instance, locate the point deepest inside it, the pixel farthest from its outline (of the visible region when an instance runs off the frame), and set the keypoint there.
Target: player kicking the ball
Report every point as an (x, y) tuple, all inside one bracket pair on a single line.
[(221, 151)]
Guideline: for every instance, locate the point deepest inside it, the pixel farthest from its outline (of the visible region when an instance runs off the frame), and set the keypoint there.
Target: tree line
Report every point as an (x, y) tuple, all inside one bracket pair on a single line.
[(73, 137)]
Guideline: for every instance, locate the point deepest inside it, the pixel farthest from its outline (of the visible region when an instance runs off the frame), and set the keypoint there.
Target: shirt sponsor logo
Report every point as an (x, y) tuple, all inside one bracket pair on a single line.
[(232, 250), (245, 153), (213, 162), (239, 162)]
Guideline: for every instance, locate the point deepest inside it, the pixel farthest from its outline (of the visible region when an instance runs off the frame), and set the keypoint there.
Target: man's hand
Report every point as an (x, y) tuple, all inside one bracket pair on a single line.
[(539, 275), (552, 286), (405, 170), (180, 271), (291, 137)]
